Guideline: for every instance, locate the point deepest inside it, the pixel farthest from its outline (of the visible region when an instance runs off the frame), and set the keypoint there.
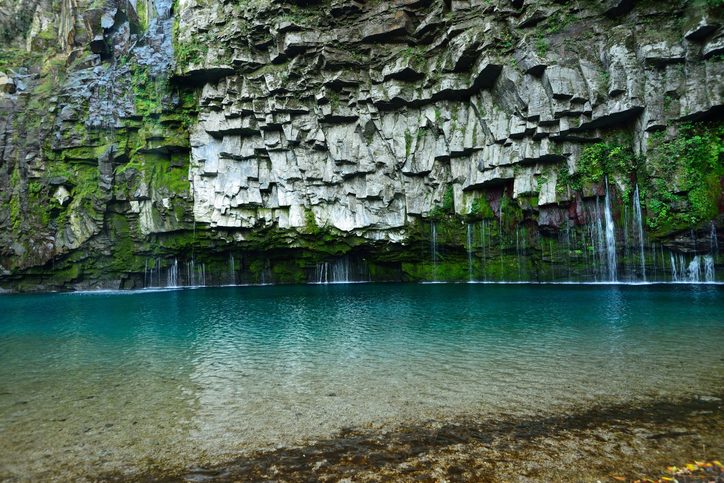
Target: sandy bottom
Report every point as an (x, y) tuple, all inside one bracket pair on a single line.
[(609, 443)]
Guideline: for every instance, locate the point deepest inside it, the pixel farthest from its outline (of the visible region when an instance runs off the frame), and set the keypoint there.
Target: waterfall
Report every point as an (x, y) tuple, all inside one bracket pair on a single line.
[(693, 271), (340, 270), (152, 274), (190, 273), (709, 275), (337, 271), (700, 268), (674, 273), (195, 274), (157, 271), (501, 242), (232, 270), (322, 272), (638, 222), (172, 274), (517, 250), (433, 250), (482, 248), (598, 241), (469, 244), (713, 240), (610, 238), (553, 266)]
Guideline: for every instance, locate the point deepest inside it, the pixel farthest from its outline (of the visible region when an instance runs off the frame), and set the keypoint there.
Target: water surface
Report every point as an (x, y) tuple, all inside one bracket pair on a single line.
[(127, 382)]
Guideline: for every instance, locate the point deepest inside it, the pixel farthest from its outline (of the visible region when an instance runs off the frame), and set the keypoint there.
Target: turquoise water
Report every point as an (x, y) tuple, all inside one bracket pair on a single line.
[(135, 381)]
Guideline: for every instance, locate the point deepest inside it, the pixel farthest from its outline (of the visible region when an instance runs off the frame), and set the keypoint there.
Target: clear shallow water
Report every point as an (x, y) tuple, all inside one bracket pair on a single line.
[(129, 382)]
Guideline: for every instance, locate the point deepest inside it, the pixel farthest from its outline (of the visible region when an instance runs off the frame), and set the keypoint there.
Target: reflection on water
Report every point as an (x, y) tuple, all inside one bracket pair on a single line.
[(120, 381)]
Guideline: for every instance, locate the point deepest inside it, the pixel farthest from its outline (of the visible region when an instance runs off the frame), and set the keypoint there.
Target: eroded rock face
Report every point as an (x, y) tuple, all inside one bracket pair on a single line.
[(153, 129), (366, 115)]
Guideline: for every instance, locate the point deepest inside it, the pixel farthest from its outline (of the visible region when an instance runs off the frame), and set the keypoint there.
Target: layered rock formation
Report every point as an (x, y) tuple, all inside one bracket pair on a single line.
[(279, 136)]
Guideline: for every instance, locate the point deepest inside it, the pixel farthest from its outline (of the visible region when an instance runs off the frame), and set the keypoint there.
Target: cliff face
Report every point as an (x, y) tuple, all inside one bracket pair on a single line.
[(289, 141)]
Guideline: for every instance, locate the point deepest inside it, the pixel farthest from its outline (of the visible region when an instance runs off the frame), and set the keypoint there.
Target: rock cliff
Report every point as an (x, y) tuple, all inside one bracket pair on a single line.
[(290, 141)]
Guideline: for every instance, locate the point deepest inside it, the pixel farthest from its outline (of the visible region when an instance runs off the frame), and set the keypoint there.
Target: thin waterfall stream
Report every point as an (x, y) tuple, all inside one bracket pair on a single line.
[(610, 238), (638, 223)]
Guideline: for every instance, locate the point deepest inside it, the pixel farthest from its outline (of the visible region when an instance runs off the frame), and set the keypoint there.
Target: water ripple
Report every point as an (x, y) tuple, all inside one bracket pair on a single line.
[(105, 379)]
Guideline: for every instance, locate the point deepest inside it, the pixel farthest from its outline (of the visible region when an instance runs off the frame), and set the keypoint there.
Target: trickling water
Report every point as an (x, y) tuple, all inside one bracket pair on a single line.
[(638, 222), (172, 274), (482, 243), (610, 238), (433, 250), (190, 273), (337, 271), (517, 251), (341, 270), (598, 242), (469, 243), (713, 240), (709, 275), (674, 273), (232, 270), (553, 264), (322, 272), (694, 270), (145, 274)]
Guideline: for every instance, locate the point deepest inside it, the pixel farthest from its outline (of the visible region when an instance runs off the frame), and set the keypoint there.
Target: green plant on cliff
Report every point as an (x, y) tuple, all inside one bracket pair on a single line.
[(310, 223), (683, 177), (600, 160), (189, 53), (447, 206), (481, 209)]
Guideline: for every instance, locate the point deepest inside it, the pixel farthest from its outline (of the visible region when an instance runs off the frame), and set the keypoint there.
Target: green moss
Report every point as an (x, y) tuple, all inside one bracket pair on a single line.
[(408, 143), (481, 209), (681, 182), (600, 160), (190, 53), (541, 46), (288, 271), (446, 208), (142, 14), (16, 218), (310, 222), (510, 212)]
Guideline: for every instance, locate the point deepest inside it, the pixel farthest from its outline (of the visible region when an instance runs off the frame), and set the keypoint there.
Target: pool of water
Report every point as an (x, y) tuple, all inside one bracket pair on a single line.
[(129, 382)]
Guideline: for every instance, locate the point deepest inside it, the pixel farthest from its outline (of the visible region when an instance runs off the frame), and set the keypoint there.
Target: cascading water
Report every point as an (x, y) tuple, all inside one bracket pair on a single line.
[(598, 242), (638, 224), (709, 275), (517, 250), (469, 245), (433, 249), (610, 238), (203, 275), (341, 270), (713, 240), (482, 247), (693, 271), (322, 272), (190, 273), (172, 274), (232, 270), (145, 274)]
